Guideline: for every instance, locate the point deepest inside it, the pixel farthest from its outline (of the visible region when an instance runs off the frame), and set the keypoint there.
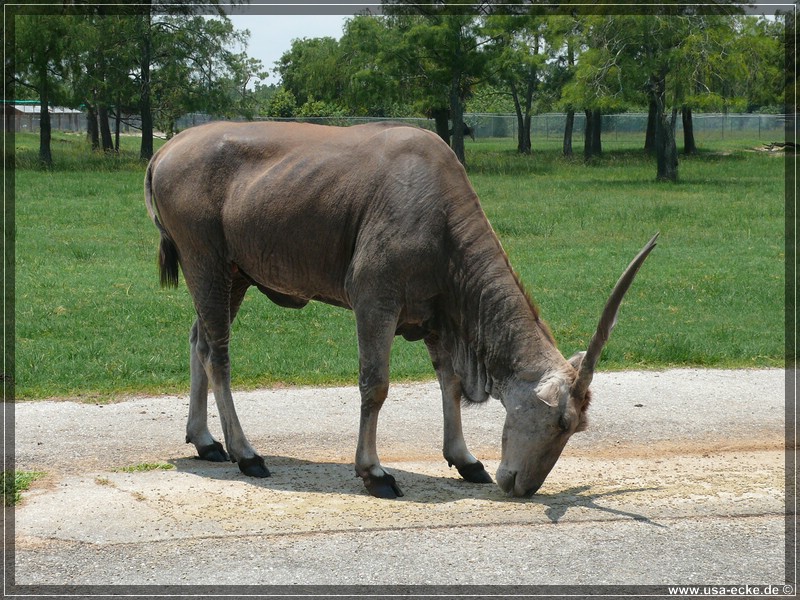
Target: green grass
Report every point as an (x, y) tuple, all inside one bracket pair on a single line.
[(146, 467), (91, 320), (16, 482)]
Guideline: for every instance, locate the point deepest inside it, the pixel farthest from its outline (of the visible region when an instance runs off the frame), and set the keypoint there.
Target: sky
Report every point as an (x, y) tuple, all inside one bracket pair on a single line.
[(272, 35)]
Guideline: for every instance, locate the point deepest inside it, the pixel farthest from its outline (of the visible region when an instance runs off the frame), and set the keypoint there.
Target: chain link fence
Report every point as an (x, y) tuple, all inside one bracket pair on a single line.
[(633, 126), (625, 127), (25, 119), (619, 127)]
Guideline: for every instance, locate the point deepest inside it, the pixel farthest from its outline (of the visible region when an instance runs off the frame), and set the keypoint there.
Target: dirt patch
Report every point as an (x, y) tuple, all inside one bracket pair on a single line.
[(204, 500)]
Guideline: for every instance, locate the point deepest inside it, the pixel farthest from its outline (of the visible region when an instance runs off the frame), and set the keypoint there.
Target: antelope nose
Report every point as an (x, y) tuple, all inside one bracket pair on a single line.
[(531, 491), (506, 479)]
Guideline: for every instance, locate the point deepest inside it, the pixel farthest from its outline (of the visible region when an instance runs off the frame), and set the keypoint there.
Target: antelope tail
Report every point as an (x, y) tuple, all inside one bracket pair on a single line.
[(168, 258)]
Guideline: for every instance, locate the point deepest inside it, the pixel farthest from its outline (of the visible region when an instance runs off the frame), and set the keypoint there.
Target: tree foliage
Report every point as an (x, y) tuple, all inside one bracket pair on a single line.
[(41, 46), (311, 70), (157, 64), (432, 60), (195, 69)]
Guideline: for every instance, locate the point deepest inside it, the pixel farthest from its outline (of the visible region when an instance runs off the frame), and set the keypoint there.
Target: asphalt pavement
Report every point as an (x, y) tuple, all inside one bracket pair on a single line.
[(679, 481)]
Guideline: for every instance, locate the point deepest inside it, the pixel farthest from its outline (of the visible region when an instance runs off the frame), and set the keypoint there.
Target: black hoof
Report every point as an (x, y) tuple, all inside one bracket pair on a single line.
[(253, 467), (213, 452), (383, 487), (475, 473)]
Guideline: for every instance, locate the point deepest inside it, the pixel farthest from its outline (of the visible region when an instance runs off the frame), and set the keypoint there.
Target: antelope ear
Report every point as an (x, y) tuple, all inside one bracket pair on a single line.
[(576, 359), (548, 392)]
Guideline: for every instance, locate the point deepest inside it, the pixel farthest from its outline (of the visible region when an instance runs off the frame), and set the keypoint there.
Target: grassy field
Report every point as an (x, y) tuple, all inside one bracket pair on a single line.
[(92, 322)]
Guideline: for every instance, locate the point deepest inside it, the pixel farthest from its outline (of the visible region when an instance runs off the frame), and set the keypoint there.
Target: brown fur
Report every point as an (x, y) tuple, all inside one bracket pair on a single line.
[(380, 219)]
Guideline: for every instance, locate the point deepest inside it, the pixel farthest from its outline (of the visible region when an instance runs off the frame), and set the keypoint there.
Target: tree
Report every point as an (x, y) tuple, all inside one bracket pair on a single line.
[(568, 28), (312, 69), (41, 42), (243, 70), (358, 74), (757, 51), (99, 66), (282, 104), (630, 58), (440, 52), (599, 79), (144, 34), (148, 19), (517, 60), (719, 62), (168, 64), (373, 86), (194, 69)]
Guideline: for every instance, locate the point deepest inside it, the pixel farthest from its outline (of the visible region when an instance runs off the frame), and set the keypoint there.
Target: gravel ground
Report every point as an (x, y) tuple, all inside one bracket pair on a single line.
[(679, 479)]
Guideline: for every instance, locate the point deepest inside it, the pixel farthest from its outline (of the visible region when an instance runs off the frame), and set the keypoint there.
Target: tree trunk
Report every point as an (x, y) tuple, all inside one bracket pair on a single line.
[(650, 135), (597, 128), (570, 121), (91, 127), (457, 118), (105, 130), (117, 122), (587, 135), (145, 103), (45, 155), (689, 146), (666, 150), (441, 118), (527, 146), (656, 92), (524, 146), (568, 126), (521, 139)]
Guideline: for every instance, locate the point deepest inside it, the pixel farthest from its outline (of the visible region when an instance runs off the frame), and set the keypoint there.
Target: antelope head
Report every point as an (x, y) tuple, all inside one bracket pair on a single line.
[(543, 413)]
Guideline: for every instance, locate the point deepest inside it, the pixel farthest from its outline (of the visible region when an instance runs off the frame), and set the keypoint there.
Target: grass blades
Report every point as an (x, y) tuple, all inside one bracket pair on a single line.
[(146, 468), (16, 482), (92, 322)]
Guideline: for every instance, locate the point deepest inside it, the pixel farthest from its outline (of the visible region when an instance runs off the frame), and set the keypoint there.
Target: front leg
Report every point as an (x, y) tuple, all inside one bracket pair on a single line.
[(454, 447), (375, 335), (378, 482)]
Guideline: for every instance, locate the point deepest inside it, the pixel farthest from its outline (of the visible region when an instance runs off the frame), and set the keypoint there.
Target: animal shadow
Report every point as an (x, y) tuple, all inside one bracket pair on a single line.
[(289, 474), (559, 504)]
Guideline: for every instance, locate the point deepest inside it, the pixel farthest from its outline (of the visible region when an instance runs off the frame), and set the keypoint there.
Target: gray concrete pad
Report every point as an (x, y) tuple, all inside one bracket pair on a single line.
[(680, 478)]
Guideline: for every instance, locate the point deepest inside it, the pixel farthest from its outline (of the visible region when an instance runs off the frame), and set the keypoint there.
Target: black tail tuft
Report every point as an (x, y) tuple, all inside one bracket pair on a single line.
[(168, 263)]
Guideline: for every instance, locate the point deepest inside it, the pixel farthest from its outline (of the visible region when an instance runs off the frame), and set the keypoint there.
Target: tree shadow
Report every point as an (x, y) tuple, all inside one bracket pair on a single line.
[(289, 474)]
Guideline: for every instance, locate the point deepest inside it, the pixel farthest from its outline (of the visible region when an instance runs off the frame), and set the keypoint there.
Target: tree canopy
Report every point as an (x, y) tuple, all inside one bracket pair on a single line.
[(157, 63), (415, 60), (433, 64)]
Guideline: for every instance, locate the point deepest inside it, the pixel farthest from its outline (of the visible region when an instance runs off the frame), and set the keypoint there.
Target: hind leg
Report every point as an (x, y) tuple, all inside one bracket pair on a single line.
[(197, 431), (217, 297)]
